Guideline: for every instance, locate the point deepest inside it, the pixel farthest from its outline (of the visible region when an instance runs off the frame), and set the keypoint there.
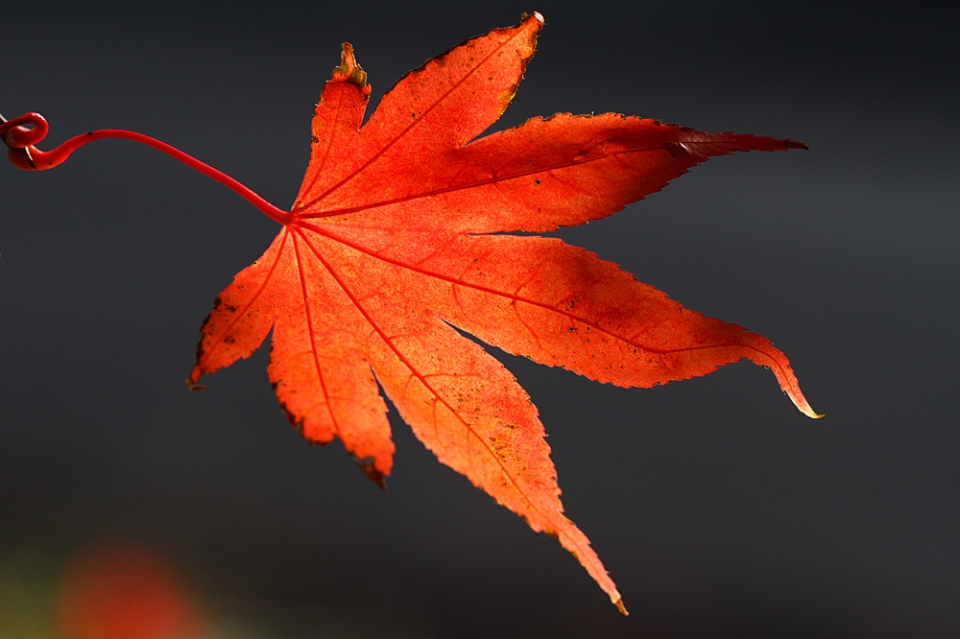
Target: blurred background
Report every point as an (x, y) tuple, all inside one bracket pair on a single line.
[(719, 510)]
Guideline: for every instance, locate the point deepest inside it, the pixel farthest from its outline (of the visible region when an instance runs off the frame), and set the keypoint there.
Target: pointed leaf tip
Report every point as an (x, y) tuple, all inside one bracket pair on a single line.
[(536, 15), (806, 409), (349, 70), (368, 467), (618, 602), (793, 392), (788, 382)]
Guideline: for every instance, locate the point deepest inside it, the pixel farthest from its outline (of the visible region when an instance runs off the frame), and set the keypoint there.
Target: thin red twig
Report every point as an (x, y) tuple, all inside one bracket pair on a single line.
[(22, 133)]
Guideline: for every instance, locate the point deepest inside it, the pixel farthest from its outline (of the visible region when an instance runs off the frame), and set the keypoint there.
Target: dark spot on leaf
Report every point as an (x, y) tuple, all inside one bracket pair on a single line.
[(366, 465)]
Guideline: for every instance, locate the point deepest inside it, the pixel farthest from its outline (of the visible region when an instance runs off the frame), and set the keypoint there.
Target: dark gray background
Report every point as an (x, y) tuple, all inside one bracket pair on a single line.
[(718, 508)]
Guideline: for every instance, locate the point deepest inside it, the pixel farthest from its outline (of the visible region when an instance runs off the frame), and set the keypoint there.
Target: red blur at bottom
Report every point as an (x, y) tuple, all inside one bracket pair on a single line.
[(124, 593)]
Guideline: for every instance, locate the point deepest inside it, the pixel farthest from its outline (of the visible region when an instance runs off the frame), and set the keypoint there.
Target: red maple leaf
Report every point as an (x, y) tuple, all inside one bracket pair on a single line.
[(394, 242), (397, 239)]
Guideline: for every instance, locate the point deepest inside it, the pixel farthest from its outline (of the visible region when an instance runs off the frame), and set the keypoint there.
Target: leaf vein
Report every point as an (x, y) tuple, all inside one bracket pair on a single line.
[(516, 298), (314, 351), (219, 340), (475, 184)]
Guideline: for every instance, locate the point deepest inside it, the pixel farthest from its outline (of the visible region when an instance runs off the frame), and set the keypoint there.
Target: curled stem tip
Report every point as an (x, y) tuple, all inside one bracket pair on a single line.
[(22, 133)]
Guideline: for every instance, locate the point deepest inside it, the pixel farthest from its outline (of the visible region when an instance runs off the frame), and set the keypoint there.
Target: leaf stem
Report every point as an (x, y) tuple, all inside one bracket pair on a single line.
[(21, 134)]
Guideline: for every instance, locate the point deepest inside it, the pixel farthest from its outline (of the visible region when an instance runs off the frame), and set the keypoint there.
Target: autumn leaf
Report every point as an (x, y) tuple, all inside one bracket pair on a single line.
[(397, 240)]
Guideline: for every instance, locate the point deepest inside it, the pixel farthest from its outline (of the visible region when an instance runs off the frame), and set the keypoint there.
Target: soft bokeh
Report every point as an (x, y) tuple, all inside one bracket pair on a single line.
[(124, 592)]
